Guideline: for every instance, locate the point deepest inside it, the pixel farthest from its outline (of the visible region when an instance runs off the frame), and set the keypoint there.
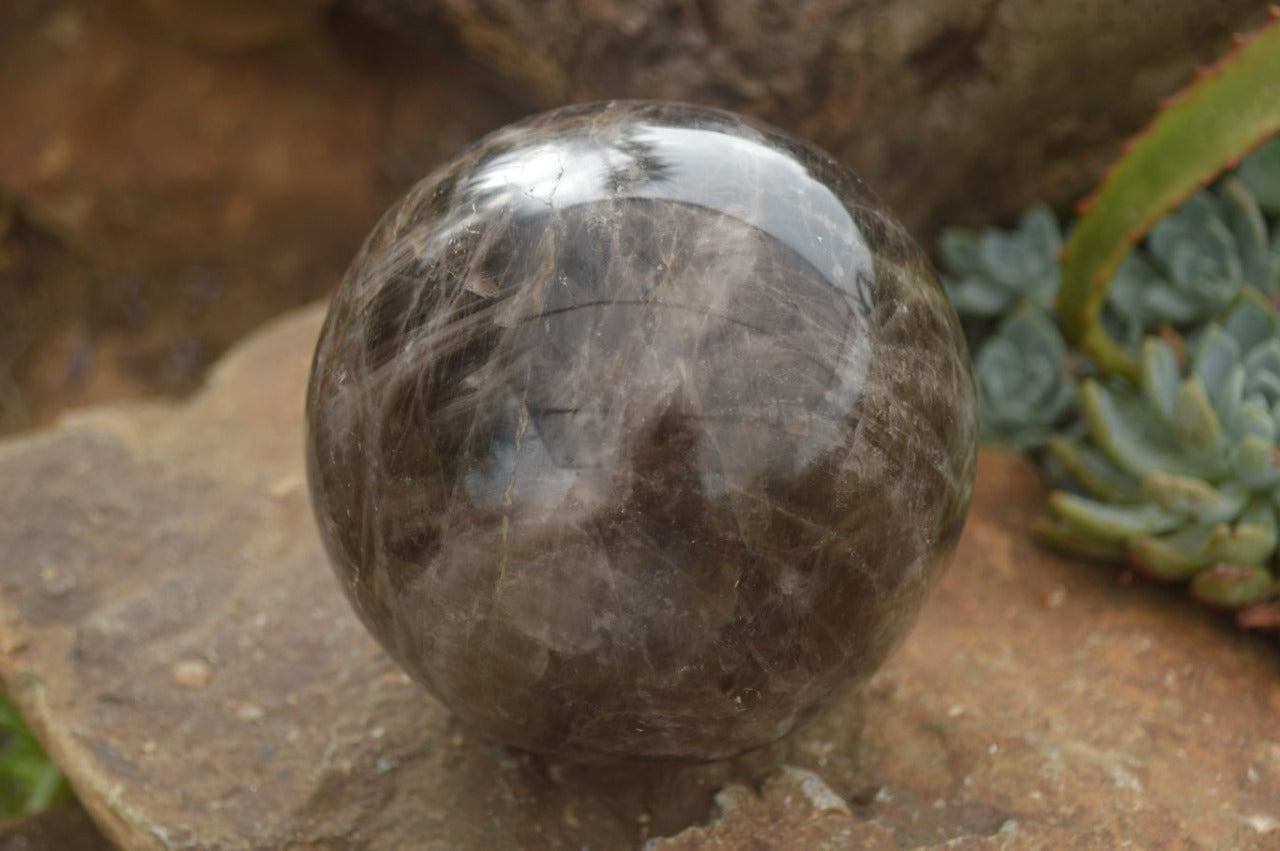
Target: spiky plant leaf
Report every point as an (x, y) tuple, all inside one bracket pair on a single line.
[(1222, 115)]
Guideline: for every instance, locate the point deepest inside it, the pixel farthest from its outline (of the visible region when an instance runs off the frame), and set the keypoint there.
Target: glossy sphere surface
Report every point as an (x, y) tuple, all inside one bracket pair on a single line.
[(639, 430)]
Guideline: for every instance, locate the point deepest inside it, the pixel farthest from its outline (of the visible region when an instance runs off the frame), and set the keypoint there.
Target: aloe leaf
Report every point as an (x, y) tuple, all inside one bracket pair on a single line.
[(1229, 109), (1173, 557), (1251, 540), (1194, 498), (1131, 435), (1231, 586), (1095, 472), (1100, 521), (1160, 375)]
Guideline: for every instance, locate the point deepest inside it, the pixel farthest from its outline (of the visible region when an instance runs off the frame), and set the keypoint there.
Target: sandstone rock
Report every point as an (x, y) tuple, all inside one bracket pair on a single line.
[(167, 196), (951, 111), (66, 828), (169, 625)]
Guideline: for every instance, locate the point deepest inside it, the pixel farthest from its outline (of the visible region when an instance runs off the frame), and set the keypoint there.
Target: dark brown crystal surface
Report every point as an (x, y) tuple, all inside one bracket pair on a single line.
[(639, 430)]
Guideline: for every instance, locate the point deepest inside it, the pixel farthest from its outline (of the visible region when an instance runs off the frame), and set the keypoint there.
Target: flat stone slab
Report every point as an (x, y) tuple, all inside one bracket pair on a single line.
[(170, 626)]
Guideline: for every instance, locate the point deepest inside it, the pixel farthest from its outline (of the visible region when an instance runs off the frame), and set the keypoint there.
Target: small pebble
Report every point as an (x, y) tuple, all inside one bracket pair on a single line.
[(192, 673), (249, 712)]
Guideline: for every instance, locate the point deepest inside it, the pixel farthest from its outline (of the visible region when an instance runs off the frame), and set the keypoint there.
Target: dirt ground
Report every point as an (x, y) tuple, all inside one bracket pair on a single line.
[(173, 174)]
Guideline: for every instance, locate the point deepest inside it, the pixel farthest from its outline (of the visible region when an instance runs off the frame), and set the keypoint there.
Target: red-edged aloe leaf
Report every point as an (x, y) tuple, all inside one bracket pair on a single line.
[(1230, 108)]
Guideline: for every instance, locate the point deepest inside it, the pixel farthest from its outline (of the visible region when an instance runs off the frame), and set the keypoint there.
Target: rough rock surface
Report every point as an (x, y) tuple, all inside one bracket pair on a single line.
[(952, 111), (172, 174), (63, 828), (169, 625)]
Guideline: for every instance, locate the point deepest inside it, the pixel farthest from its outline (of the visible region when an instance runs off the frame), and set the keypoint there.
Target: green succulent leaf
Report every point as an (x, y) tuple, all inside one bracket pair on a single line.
[(1262, 371), (989, 272), (1175, 557), (1195, 422), (1132, 437), (1231, 586), (1250, 320), (1160, 376), (977, 298), (1249, 231), (1119, 523), (1260, 173), (1257, 463), (1094, 471), (1251, 540), (1024, 386), (958, 247), (1076, 542), (1215, 355), (1194, 498)]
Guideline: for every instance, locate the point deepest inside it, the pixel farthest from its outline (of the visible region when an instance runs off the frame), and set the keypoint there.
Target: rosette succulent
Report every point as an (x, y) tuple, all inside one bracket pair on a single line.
[(1195, 262), (990, 272), (1025, 387), (1180, 474)]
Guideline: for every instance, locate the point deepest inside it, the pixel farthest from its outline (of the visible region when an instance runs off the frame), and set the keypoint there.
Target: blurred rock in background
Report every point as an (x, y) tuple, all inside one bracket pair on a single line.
[(951, 111), (174, 172)]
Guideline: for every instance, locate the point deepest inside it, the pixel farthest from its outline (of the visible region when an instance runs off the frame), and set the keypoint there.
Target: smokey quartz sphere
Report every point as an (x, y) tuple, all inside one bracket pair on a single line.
[(639, 430)]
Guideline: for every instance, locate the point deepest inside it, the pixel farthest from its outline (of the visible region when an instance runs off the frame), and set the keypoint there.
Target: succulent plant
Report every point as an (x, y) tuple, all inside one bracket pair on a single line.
[(1182, 471), (1194, 263), (1025, 386), (1260, 173), (988, 273)]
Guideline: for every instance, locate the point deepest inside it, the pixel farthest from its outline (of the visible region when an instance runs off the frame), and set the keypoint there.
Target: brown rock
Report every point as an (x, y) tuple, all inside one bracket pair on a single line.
[(1038, 704), (951, 111), (173, 173), (65, 828)]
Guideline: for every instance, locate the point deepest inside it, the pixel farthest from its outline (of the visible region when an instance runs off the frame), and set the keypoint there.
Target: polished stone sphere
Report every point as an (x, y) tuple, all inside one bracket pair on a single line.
[(639, 430)]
